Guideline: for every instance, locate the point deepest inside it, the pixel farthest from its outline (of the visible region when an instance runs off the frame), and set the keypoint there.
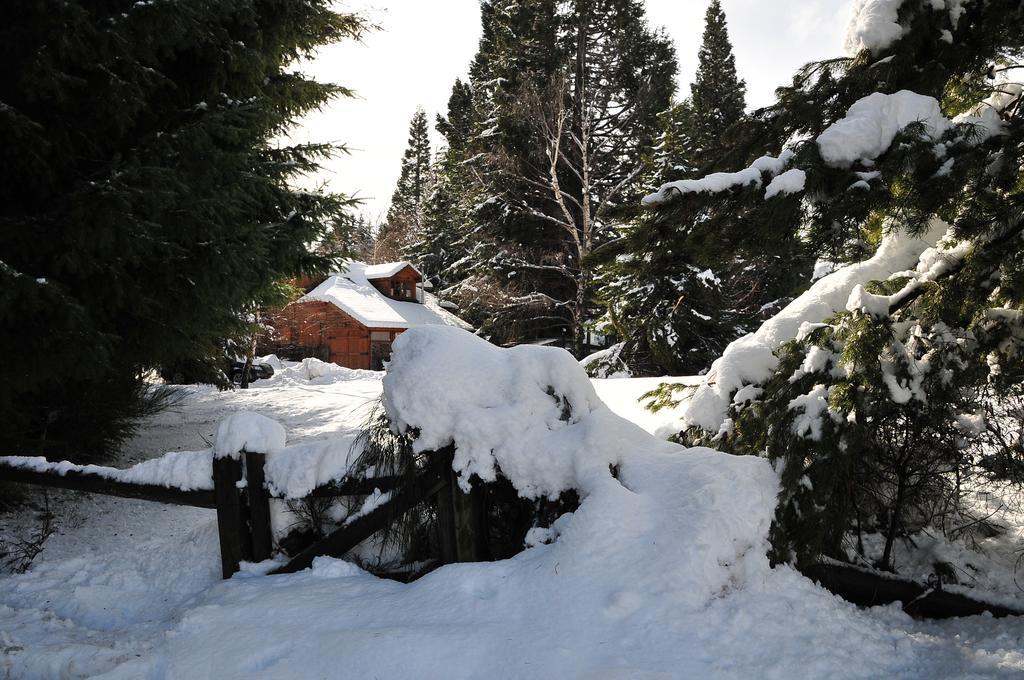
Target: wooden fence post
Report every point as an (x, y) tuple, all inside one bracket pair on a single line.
[(461, 517), (471, 544), (259, 507), (446, 543), (235, 539)]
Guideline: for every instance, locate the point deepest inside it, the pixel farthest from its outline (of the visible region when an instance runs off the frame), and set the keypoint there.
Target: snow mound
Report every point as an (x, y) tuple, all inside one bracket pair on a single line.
[(873, 26), (317, 372), (294, 471), (873, 121), (751, 359), (530, 411), (248, 431)]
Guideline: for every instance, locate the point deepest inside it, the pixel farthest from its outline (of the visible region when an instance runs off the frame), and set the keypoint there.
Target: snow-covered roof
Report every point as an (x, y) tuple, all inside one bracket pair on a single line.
[(386, 269), (352, 292)]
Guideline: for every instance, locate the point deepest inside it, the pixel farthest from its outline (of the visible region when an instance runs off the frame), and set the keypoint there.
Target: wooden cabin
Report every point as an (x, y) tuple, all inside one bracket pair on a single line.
[(352, 317)]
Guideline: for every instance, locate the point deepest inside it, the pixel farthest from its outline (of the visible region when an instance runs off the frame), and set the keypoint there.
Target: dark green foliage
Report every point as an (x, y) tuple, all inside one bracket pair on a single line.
[(688, 279), (676, 151), (548, 73), (868, 462), (717, 95), (404, 223), (882, 418), (441, 245), (145, 202), (680, 287)]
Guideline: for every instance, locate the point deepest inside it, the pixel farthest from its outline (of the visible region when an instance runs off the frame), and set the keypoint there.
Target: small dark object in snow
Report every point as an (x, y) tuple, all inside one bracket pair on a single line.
[(296, 541), (256, 372)]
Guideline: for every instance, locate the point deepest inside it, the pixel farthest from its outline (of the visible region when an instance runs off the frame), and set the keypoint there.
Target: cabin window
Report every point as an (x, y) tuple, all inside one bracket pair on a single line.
[(402, 290)]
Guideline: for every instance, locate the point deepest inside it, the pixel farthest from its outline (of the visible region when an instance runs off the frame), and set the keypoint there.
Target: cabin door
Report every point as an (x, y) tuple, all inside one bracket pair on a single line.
[(380, 349)]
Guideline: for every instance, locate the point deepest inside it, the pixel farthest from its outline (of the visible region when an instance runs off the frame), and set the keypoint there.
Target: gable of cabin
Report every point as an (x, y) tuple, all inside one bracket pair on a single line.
[(402, 285)]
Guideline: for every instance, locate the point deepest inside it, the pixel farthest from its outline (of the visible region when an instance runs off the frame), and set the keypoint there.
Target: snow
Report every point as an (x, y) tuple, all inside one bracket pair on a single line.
[(751, 359), (986, 115), (707, 277), (862, 301), (873, 121), (248, 431), (789, 182), (386, 270), (955, 7), (823, 268), (815, 361), (814, 404), (625, 397), (352, 292), (721, 181), (185, 470), (315, 371), (291, 471), (659, 573), (294, 471), (873, 26), (932, 264), (533, 416), (606, 363)]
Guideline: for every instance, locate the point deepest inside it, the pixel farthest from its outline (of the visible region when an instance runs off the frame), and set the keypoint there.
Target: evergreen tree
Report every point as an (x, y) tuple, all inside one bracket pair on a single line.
[(881, 417), (442, 243), (500, 277), (676, 152), (561, 143), (146, 207), (405, 215), (349, 237), (677, 292), (717, 95)]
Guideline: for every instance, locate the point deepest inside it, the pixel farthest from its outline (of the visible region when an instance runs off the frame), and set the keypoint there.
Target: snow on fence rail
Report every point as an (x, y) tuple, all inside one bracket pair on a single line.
[(232, 478)]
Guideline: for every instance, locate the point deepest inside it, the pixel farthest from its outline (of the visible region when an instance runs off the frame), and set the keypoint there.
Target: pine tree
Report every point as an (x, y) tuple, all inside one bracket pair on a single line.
[(676, 291), (502, 287), (568, 94), (146, 205), (881, 416), (717, 95), (405, 215), (675, 154), (442, 243)]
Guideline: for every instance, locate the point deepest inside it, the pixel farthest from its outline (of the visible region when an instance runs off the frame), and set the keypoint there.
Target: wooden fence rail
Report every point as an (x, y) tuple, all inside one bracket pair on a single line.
[(242, 501), (94, 483)]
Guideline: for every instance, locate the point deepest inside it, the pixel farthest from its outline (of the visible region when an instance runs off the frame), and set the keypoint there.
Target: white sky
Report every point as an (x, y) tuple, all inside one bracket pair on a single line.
[(423, 45)]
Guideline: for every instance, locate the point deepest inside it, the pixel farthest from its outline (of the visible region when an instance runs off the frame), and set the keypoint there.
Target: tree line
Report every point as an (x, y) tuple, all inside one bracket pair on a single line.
[(567, 118)]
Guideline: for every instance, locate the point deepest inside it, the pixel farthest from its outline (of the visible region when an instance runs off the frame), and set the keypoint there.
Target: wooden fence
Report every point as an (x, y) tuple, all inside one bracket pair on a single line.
[(242, 501)]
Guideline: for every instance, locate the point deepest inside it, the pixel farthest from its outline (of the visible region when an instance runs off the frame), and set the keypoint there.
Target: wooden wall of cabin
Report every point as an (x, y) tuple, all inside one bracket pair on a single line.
[(320, 329)]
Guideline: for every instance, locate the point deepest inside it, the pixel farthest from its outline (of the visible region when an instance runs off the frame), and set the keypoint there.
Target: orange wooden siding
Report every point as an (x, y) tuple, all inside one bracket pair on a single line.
[(320, 327)]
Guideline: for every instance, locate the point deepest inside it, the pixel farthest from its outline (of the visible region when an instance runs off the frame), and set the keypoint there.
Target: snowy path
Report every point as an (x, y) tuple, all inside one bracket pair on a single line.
[(101, 602)]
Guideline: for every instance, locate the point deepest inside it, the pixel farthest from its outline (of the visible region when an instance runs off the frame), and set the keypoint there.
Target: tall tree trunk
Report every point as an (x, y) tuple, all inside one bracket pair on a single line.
[(894, 519)]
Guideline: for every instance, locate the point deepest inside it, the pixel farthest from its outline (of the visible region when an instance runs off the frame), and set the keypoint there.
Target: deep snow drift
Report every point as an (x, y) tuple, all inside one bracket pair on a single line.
[(660, 573)]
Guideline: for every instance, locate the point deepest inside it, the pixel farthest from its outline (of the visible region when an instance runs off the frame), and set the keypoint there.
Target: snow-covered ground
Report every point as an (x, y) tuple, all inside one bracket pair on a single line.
[(659, 574)]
